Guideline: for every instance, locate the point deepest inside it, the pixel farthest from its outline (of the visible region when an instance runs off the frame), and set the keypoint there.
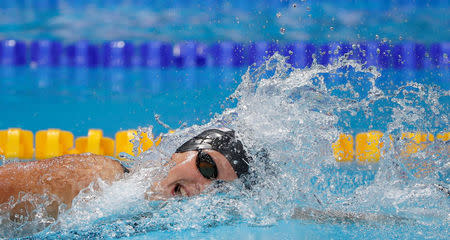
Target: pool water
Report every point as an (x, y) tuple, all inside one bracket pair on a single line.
[(304, 110), (119, 99), (216, 20), (113, 99)]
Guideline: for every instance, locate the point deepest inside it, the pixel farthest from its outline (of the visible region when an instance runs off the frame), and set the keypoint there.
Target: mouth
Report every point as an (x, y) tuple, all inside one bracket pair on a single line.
[(180, 191)]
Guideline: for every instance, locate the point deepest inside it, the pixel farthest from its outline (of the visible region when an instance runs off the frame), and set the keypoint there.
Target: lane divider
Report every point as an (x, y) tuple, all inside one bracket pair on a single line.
[(157, 54), (343, 148), (16, 143), (52, 143), (367, 148), (95, 143), (124, 142)]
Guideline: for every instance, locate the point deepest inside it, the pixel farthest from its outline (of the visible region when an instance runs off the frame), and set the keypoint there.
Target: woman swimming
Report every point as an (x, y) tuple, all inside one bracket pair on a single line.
[(214, 154)]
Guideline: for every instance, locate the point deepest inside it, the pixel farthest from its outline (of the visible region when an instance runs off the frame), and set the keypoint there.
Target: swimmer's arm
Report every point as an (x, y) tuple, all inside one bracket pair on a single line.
[(334, 216), (63, 176)]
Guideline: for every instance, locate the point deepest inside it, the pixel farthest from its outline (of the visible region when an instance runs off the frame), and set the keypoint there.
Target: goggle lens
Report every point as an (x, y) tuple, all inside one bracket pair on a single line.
[(206, 165)]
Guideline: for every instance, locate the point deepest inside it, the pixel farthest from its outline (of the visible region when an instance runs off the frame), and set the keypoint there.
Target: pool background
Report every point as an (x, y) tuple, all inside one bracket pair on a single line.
[(80, 98), (322, 21), (118, 99)]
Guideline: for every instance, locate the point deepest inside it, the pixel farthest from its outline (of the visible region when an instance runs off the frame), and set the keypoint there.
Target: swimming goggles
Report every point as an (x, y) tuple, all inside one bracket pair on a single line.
[(206, 165)]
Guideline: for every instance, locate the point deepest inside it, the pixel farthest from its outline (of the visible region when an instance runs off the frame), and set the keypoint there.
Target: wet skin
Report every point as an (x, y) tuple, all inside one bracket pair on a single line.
[(64, 177)]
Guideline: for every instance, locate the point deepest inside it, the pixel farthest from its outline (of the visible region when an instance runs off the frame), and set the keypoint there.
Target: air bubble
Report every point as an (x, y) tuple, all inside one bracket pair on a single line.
[(294, 5), (278, 15), (331, 28), (282, 30)]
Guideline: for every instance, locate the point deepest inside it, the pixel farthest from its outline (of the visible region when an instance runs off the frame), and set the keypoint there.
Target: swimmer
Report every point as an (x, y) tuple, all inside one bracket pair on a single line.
[(214, 154)]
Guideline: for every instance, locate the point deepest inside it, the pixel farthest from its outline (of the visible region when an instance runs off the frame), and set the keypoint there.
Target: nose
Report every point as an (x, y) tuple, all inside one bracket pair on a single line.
[(182, 187), (183, 179)]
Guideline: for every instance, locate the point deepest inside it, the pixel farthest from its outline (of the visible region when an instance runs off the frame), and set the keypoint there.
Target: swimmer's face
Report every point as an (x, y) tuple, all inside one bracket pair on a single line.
[(185, 179)]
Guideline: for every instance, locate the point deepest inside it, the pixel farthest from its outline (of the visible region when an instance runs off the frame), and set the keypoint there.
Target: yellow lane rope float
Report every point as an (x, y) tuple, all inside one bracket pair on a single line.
[(16, 143)]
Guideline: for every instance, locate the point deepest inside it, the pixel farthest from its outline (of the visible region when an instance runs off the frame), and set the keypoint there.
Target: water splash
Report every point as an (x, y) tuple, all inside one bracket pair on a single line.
[(288, 118)]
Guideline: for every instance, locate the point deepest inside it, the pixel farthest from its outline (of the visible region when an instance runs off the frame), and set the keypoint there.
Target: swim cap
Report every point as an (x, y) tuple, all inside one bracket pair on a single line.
[(223, 141)]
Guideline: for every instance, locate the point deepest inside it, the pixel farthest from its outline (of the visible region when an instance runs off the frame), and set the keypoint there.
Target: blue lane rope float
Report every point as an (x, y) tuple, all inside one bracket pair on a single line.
[(154, 54)]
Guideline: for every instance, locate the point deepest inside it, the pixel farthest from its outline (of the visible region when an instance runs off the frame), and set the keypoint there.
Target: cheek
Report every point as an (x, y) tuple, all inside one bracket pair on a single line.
[(226, 172), (186, 171)]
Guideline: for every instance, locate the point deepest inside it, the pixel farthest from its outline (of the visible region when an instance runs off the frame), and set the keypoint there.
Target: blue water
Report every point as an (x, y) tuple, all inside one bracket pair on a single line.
[(116, 98), (213, 20), (77, 99), (112, 99)]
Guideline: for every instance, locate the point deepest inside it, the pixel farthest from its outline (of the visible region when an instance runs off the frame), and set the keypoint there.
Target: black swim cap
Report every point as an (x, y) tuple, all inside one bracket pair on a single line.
[(223, 141)]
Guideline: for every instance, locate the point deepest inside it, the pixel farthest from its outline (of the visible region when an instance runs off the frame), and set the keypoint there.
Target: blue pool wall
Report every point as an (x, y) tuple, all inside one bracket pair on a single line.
[(156, 54)]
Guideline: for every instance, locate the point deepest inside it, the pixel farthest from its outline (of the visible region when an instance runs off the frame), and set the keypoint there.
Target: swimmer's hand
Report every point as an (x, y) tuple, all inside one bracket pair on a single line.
[(333, 216)]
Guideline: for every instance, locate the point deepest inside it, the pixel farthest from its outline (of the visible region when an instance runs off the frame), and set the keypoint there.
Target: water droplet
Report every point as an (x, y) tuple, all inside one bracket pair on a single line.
[(282, 30), (332, 28), (278, 14)]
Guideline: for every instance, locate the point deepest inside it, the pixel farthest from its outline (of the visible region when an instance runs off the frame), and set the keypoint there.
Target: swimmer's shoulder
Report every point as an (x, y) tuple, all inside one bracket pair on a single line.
[(87, 163), (94, 161)]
